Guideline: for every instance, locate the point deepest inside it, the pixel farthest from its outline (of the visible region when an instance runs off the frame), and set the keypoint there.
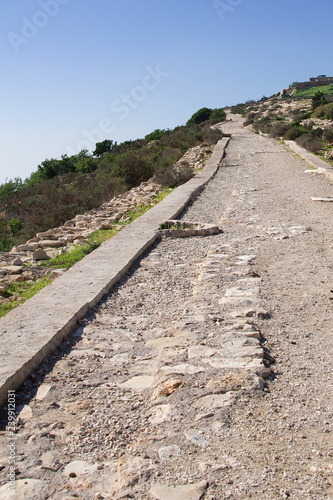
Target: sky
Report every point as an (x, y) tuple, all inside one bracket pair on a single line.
[(76, 72)]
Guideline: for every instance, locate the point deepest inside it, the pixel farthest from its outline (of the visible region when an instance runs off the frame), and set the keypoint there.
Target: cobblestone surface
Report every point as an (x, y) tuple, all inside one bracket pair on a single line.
[(206, 373)]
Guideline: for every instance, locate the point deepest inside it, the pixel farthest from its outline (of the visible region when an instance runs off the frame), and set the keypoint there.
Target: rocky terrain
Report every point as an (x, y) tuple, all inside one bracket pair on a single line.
[(22, 263), (288, 111), (206, 372)]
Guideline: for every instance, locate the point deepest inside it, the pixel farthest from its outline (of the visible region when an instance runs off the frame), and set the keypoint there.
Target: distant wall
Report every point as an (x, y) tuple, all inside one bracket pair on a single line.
[(305, 85)]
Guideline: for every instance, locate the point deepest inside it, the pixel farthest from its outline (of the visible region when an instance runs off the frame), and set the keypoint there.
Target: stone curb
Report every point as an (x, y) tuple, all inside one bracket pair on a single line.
[(34, 329), (321, 166)]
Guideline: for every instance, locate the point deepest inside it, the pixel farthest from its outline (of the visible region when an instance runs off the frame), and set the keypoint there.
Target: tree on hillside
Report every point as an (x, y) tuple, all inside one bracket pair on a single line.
[(218, 114), (204, 114), (318, 99), (201, 115), (155, 136), (103, 147)]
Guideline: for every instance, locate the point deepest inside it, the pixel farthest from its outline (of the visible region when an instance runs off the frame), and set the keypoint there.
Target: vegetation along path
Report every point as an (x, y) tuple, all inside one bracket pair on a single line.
[(206, 372)]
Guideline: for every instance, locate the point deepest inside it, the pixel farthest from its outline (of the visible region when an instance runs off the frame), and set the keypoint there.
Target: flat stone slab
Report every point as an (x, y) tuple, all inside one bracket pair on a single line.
[(186, 492), (322, 199), (25, 412), (79, 468), (213, 401), (200, 351), (183, 369), (168, 452), (162, 413), (182, 229), (43, 391), (138, 383), (34, 329), (24, 489)]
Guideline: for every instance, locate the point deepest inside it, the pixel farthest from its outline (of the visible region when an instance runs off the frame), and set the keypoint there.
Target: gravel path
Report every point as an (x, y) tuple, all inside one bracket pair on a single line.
[(206, 373)]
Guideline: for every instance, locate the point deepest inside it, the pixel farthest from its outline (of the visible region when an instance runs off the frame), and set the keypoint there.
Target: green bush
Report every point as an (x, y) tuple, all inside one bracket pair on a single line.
[(292, 134), (200, 116), (279, 129), (6, 240), (218, 115), (80, 163), (252, 115), (204, 114), (318, 99), (155, 136), (239, 109), (328, 135), (325, 112), (172, 177), (8, 229), (103, 147), (309, 142), (133, 167), (167, 157), (61, 189)]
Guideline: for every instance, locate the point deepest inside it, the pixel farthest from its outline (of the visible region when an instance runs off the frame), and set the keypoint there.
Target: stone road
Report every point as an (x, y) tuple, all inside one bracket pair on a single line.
[(206, 373)]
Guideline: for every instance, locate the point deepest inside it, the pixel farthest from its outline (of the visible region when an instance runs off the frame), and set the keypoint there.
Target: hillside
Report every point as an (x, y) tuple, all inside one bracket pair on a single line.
[(205, 373), (306, 117), (62, 188)]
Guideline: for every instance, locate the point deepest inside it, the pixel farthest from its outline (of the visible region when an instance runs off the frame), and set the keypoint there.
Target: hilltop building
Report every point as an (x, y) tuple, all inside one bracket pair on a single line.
[(318, 81)]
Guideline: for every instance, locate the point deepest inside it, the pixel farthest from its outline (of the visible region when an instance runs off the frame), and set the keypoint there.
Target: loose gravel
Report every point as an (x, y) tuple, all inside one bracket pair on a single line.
[(206, 373)]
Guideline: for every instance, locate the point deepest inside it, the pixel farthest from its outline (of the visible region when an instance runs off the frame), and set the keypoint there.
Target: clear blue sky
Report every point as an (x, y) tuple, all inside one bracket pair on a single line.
[(75, 72)]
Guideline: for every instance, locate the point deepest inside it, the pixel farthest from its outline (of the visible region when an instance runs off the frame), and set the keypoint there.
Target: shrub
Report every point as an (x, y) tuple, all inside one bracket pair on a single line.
[(50, 204), (204, 114), (7, 230), (279, 129), (252, 115), (61, 189), (318, 99), (264, 125), (167, 157), (133, 167), (155, 136), (218, 115), (318, 132), (256, 125), (210, 136), (309, 142), (200, 116), (325, 112), (328, 135), (292, 134), (6, 241), (174, 176), (239, 109), (305, 116), (103, 147)]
